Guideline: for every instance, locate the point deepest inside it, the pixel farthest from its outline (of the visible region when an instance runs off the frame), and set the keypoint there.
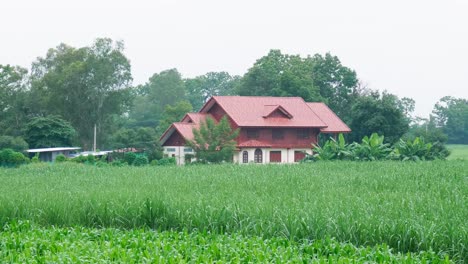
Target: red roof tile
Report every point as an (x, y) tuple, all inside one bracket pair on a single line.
[(334, 123), (254, 144), (195, 117), (249, 111)]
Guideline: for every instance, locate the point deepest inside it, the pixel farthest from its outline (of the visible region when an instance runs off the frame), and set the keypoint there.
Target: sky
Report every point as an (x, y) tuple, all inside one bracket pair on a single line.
[(411, 48)]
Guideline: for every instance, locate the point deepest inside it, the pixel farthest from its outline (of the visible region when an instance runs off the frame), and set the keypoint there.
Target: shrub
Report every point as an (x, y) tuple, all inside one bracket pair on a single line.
[(90, 159), (419, 150), (129, 157), (167, 161), (140, 160), (154, 163), (11, 158), (60, 158), (35, 159)]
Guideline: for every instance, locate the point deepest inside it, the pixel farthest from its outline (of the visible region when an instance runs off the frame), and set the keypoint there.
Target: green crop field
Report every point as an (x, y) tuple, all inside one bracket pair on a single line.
[(362, 211), (458, 152)]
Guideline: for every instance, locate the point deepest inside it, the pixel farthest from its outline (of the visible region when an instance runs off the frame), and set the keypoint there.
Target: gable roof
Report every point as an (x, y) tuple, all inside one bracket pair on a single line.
[(249, 111), (195, 118), (334, 123)]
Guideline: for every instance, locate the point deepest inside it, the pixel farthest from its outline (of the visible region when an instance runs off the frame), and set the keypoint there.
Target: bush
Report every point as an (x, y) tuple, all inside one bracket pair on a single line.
[(35, 159), (140, 160), (80, 159), (167, 161), (11, 158), (61, 158), (154, 163), (129, 157), (419, 150)]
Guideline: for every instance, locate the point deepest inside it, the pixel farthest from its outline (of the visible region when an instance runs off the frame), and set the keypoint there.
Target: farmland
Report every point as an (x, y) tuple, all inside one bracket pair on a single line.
[(405, 206), (458, 152)]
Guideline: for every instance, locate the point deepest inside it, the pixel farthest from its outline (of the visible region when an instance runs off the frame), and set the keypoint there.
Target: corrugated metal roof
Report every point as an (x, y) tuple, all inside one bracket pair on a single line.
[(249, 111), (51, 149), (334, 123)]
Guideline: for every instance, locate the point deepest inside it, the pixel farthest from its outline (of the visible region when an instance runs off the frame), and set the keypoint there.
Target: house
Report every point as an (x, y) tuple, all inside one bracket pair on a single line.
[(272, 129), (49, 154)]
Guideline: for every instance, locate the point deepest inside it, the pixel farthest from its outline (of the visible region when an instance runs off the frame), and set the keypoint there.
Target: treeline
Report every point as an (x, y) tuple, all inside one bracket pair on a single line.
[(67, 92)]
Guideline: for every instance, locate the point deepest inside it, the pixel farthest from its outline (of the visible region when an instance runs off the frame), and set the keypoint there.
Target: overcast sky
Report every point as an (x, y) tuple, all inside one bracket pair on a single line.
[(412, 48)]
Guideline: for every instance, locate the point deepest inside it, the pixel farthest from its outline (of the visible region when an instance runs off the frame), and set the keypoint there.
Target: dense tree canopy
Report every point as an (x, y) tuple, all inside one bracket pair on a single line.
[(13, 93), (50, 131), (378, 113), (86, 86), (164, 88), (201, 88), (452, 115)]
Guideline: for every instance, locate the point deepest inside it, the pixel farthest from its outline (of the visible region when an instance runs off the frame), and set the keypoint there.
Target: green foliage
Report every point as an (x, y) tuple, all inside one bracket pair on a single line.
[(50, 131), (166, 162), (363, 203), (165, 88), (35, 159), (214, 143), (372, 148), (130, 157), (143, 139), (15, 143), (201, 88), (61, 158), (140, 160), (13, 99), (11, 158), (154, 163), (105, 245), (86, 86), (173, 114), (451, 114), (378, 113), (334, 150), (419, 150)]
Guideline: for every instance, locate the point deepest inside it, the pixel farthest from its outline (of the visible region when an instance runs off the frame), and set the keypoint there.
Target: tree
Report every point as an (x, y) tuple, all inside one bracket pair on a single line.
[(278, 74), (165, 88), (86, 86), (214, 142), (451, 114), (143, 139), (13, 93), (378, 113), (15, 143), (172, 114), (338, 85), (50, 131), (201, 88)]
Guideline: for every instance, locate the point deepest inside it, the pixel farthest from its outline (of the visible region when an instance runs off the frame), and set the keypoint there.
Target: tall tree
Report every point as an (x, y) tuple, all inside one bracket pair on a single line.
[(201, 88), (164, 88), (86, 86), (13, 92), (338, 84), (278, 74), (452, 115), (378, 113), (172, 114)]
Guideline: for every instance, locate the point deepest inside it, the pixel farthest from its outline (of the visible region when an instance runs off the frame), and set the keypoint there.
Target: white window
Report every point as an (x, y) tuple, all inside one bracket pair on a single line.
[(170, 149), (188, 150)]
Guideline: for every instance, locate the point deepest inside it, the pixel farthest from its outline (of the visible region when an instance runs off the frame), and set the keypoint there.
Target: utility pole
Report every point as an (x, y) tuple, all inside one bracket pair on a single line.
[(94, 145)]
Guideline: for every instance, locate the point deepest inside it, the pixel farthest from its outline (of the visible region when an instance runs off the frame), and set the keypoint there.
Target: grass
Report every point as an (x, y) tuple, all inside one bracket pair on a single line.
[(411, 207), (458, 152), (21, 242)]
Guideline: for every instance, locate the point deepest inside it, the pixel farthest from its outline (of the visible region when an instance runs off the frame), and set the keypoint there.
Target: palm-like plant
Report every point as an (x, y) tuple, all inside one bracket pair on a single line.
[(372, 148)]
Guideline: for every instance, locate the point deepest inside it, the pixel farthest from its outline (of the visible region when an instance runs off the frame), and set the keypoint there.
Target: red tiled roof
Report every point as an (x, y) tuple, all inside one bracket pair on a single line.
[(334, 123), (254, 144), (249, 111), (195, 117)]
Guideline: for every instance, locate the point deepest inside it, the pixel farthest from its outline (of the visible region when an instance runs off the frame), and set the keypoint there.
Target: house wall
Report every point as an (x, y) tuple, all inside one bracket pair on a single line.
[(290, 139), (287, 155), (178, 152)]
